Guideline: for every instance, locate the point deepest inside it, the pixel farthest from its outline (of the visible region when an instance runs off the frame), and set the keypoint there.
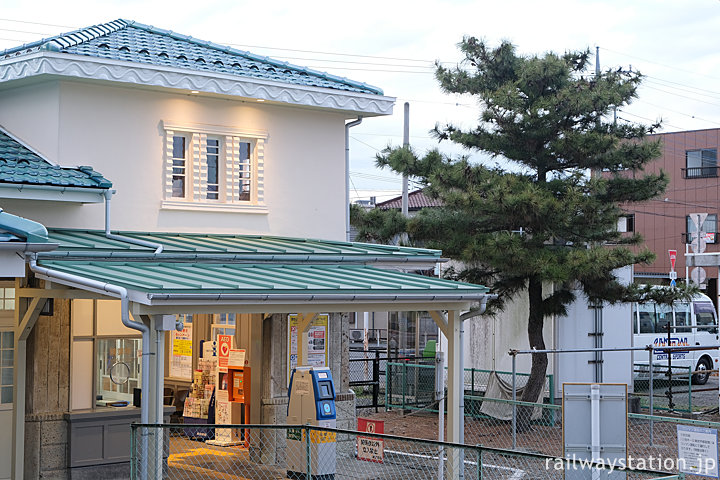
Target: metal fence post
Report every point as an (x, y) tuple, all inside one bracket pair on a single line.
[(514, 408), (651, 391), (133, 453), (376, 381), (308, 454), (479, 463), (404, 383)]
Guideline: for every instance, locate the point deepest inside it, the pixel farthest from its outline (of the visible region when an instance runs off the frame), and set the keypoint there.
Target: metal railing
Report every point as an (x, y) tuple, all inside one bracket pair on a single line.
[(699, 172), (367, 373), (308, 452), (411, 385)]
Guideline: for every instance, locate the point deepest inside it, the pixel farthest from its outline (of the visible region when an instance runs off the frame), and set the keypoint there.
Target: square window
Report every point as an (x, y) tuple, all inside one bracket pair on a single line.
[(6, 358), (7, 340), (210, 168), (701, 163), (6, 394), (709, 228), (6, 376)]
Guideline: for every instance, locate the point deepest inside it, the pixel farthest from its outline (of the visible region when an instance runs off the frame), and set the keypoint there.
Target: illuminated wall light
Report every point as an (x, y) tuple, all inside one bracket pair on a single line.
[(194, 91), (260, 99)]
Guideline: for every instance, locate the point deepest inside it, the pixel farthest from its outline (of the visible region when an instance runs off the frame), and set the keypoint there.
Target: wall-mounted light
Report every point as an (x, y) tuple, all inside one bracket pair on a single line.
[(260, 99), (194, 91)]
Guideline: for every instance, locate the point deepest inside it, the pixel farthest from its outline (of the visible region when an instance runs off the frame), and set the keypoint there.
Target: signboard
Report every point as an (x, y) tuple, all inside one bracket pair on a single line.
[(224, 346), (370, 449), (236, 358), (673, 257), (315, 341), (594, 419), (697, 450), (181, 358)]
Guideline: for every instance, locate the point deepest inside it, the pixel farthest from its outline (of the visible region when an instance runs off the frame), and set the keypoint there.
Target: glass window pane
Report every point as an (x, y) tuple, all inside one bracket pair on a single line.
[(9, 304), (178, 187), (6, 376), (178, 147), (7, 339), (6, 358), (6, 394), (693, 159)]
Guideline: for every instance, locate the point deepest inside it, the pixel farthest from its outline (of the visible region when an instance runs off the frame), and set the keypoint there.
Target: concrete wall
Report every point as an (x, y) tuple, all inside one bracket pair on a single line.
[(119, 132), (488, 339)]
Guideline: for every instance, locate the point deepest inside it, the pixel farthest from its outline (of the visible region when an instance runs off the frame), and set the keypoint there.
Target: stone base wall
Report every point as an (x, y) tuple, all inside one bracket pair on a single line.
[(46, 446)]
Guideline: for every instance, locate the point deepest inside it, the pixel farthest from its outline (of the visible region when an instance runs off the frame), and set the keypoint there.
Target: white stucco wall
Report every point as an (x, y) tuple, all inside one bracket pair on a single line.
[(119, 132)]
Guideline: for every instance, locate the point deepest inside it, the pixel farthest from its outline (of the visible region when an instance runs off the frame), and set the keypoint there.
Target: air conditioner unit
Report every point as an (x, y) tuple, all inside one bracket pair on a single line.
[(356, 335)]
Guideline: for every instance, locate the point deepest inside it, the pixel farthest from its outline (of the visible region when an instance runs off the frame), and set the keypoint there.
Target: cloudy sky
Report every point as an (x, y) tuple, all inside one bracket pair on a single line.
[(393, 45)]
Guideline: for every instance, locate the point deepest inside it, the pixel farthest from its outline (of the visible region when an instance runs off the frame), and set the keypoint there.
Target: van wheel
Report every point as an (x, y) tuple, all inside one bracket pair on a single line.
[(703, 368)]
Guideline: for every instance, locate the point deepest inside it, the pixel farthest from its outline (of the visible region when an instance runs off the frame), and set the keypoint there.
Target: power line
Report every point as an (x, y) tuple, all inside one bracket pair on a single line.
[(661, 64), (36, 23)]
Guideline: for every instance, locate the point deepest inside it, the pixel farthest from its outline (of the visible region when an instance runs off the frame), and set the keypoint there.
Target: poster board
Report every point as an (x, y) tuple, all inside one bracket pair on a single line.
[(181, 356), (697, 450), (315, 340)]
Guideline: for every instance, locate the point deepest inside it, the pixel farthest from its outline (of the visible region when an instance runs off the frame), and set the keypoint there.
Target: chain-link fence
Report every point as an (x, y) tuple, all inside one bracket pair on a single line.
[(671, 389), (539, 429), (306, 452), (410, 385)]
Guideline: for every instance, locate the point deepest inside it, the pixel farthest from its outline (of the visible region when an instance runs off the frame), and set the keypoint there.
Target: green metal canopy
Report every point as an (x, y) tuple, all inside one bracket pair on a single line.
[(94, 244), (164, 283), (200, 273)]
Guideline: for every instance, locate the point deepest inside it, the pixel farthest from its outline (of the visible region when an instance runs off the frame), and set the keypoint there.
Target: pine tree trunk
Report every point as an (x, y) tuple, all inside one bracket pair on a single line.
[(538, 369)]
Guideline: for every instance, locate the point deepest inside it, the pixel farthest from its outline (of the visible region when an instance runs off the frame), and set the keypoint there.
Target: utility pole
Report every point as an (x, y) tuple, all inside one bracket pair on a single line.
[(406, 144)]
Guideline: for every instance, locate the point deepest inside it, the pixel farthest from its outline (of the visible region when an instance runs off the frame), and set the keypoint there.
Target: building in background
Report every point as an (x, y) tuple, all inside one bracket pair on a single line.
[(670, 222)]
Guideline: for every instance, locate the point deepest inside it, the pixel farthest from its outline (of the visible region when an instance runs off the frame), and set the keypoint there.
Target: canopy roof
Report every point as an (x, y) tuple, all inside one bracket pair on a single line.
[(244, 273), (253, 248)]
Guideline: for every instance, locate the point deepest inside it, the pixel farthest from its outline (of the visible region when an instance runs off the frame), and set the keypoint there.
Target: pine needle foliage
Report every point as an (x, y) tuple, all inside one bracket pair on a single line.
[(551, 214)]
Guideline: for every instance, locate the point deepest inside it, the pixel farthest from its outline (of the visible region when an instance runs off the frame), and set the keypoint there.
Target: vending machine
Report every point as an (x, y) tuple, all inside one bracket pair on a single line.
[(311, 402)]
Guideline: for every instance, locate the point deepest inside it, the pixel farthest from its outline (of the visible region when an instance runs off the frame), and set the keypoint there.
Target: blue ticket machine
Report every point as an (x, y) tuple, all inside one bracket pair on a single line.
[(311, 402)]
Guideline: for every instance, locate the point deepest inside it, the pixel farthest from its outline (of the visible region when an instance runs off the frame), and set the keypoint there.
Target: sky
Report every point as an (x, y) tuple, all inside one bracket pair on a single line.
[(394, 45)]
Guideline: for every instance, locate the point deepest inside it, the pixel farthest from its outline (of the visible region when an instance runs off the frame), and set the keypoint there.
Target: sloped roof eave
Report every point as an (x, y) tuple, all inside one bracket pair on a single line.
[(106, 70)]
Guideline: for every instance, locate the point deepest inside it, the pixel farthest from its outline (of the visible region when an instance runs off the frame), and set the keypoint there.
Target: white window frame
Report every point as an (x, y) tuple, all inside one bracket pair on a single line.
[(230, 168)]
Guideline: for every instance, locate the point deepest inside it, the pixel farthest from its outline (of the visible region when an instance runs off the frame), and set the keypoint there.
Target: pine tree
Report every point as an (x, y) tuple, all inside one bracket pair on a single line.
[(549, 215)]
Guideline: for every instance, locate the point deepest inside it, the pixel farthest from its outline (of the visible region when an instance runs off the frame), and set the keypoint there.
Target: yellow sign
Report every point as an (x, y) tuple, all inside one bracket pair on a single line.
[(315, 341), (322, 437)]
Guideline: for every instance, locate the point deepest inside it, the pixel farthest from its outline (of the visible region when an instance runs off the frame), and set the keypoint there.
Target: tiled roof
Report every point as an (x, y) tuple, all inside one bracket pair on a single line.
[(416, 201), (20, 165), (130, 41)]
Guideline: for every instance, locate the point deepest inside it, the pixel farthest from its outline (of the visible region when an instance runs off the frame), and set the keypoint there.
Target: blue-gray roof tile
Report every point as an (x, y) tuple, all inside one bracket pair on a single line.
[(130, 41), (20, 165)]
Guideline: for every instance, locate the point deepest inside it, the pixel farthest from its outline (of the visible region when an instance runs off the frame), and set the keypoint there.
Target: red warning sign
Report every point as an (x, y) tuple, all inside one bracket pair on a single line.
[(368, 448), (673, 257)]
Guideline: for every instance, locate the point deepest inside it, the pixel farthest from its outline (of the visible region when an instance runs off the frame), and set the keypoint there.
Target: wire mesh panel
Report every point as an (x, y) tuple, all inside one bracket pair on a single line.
[(306, 452), (672, 387)]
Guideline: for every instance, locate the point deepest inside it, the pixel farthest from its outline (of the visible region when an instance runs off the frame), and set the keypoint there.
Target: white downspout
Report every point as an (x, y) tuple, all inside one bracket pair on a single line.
[(112, 236), (125, 317), (348, 126)]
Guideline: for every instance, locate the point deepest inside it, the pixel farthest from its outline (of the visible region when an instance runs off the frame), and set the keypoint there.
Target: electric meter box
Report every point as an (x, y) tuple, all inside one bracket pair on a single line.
[(311, 402)]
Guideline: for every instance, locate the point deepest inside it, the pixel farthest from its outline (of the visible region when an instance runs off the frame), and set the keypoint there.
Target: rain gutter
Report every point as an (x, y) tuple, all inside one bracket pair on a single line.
[(348, 126), (121, 292), (312, 297), (121, 238), (190, 257)]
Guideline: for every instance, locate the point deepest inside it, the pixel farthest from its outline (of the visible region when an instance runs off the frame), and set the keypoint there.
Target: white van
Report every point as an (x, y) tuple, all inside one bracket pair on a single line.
[(691, 324)]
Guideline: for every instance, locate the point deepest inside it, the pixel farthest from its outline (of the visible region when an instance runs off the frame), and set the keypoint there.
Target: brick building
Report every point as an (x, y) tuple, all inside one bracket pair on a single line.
[(669, 222)]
